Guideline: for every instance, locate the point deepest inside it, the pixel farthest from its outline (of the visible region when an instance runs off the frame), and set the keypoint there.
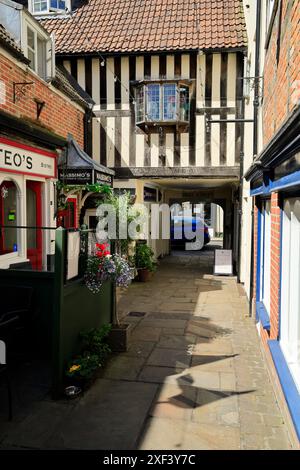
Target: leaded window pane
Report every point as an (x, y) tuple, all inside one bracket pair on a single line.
[(184, 103), (153, 103), (140, 108), (169, 105)]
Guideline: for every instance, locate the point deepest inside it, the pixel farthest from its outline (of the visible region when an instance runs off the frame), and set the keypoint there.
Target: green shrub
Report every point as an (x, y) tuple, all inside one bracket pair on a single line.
[(95, 341), (144, 257), (95, 351), (83, 367)]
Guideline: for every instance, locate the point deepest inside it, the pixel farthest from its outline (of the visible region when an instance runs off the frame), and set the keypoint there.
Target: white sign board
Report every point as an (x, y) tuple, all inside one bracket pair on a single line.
[(18, 158), (73, 254), (223, 262)]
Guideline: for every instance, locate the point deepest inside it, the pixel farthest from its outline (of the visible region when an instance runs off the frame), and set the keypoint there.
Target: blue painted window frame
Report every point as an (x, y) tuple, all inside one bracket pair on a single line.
[(261, 313), (287, 383)]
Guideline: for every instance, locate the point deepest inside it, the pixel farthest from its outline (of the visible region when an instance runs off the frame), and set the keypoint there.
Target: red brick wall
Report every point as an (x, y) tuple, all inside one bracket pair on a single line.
[(275, 265), (282, 80), (59, 114)]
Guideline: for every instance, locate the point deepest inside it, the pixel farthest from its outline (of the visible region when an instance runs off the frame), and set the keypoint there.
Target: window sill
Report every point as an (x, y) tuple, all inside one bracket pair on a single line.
[(162, 123), (263, 316), (288, 385)]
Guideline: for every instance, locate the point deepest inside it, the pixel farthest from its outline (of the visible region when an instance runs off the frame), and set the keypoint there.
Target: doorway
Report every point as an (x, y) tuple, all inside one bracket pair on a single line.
[(8, 217), (34, 221)]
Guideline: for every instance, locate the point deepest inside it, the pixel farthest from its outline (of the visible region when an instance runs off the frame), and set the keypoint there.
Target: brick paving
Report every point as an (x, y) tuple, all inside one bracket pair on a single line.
[(192, 378)]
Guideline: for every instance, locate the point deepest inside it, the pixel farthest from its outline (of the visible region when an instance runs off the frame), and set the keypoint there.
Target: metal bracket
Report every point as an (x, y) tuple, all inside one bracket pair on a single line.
[(39, 107), (19, 90)]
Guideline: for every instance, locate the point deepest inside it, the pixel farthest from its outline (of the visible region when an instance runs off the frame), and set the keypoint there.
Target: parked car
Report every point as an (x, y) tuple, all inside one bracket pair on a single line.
[(180, 224)]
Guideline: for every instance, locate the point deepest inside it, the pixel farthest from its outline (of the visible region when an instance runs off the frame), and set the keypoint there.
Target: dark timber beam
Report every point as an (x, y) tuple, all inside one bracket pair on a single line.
[(231, 172)]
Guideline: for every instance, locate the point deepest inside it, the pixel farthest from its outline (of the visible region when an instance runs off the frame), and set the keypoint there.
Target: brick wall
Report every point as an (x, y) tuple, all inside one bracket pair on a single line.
[(59, 114), (282, 68), (275, 265)]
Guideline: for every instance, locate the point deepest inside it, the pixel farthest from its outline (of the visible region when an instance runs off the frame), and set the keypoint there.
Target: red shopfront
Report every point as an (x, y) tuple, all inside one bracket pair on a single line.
[(27, 204)]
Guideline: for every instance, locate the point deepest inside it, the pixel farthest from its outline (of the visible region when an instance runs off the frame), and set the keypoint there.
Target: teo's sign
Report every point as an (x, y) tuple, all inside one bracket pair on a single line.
[(20, 158)]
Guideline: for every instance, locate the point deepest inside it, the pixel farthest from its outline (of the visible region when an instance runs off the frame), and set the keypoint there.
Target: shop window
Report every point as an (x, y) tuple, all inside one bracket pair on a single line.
[(162, 102), (8, 218), (290, 281)]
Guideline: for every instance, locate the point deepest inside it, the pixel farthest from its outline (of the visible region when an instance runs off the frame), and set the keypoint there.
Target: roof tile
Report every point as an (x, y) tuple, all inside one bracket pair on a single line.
[(149, 25)]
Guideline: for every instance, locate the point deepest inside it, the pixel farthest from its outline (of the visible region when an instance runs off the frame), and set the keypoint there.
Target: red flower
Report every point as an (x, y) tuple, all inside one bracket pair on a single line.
[(102, 250)]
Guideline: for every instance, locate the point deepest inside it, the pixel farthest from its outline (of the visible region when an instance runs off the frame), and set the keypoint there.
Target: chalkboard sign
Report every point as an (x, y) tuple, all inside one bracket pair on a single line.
[(223, 262)]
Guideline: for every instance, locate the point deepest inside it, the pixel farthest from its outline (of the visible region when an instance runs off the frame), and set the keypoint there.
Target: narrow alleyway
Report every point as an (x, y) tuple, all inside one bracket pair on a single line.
[(193, 377)]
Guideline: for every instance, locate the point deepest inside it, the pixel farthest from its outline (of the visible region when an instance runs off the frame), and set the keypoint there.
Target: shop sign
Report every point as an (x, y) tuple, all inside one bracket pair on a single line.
[(83, 176), (18, 158), (150, 194), (102, 178), (76, 176)]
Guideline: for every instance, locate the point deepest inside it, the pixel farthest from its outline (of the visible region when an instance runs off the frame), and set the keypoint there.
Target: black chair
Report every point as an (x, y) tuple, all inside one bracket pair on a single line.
[(16, 301), (4, 372), (15, 315)]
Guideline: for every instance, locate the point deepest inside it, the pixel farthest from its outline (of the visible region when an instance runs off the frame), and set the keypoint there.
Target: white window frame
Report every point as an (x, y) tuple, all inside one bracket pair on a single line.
[(290, 287), (270, 12), (49, 9), (49, 56)]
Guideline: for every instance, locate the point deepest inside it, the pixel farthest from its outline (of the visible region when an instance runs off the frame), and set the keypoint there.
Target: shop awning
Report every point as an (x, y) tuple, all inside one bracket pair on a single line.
[(75, 167)]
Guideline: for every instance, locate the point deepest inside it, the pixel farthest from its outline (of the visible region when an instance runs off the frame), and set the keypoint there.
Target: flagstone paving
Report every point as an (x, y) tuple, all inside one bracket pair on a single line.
[(193, 376)]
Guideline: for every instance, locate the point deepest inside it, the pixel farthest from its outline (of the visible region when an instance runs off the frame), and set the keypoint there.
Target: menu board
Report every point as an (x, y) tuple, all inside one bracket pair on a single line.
[(73, 254), (223, 262)]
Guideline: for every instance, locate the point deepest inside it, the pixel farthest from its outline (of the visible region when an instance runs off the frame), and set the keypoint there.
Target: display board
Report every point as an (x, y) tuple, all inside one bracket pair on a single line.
[(73, 254), (223, 262)]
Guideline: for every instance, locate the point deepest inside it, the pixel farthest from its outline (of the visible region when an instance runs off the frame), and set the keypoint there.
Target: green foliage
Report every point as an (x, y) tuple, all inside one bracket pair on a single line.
[(95, 351), (144, 257), (94, 341), (63, 190), (122, 204), (83, 367)]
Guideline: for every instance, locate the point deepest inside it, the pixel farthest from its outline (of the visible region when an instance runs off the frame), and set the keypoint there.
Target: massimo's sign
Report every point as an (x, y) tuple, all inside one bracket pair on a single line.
[(16, 157), (102, 178), (83, 176), (76, 176)]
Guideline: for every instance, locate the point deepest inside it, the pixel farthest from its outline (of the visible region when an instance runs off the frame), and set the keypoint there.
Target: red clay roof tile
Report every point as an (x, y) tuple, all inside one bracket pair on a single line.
[(112, 26)]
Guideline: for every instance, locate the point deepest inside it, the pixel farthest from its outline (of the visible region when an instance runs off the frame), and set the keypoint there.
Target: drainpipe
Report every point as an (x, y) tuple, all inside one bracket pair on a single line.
[(255, 132), (87, 125)]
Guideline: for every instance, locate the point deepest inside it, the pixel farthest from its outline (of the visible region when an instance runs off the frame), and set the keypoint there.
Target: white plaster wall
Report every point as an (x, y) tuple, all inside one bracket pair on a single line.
[(246, 229)]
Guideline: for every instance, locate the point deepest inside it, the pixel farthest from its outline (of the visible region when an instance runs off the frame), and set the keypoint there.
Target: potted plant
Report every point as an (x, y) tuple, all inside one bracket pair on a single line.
[(144, 261)]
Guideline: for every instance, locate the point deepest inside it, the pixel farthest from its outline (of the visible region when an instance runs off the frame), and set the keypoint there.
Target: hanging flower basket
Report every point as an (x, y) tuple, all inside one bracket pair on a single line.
[(102, 266)]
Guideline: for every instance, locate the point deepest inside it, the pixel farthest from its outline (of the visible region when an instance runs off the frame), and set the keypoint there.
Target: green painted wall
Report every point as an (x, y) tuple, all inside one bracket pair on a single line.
[(75, 309), (81, 310)]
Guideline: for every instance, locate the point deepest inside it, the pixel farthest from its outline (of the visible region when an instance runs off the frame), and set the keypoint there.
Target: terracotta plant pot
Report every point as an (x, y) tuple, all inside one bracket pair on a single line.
[(144, 275), (118, 338)]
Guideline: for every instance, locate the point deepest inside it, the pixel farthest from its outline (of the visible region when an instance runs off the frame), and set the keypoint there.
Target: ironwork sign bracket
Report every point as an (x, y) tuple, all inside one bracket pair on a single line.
[(20, 89)]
